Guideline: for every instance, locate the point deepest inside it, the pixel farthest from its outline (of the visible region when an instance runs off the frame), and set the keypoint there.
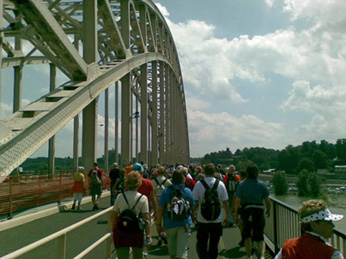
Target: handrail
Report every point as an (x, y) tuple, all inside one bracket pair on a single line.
[(60, 234)]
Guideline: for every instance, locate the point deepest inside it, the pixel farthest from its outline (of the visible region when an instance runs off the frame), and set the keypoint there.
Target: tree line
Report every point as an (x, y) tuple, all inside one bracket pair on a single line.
[(310, 155)]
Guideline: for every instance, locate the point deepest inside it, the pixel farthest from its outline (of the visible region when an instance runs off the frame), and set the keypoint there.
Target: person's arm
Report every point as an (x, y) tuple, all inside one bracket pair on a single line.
[(147, 227), (113, 218), (236, 207), (194, 212), (267, 204), (158, 220), (153, 202), (225, 206)]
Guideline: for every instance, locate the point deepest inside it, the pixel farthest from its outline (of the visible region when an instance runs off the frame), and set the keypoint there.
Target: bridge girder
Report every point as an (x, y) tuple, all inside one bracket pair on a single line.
[(132, 41)]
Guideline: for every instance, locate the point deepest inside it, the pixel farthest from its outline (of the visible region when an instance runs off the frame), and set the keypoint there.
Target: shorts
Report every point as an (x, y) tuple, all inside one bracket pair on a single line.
[(178, 239), (253, 222)]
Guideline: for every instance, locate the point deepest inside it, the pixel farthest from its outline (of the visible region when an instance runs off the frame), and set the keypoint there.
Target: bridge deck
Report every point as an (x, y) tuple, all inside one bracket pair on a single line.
[(14, 238)]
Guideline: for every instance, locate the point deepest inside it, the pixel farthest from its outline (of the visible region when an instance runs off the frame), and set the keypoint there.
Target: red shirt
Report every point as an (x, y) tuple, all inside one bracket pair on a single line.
[(146, 187), (307, 246), (225, 179), (99, 172)]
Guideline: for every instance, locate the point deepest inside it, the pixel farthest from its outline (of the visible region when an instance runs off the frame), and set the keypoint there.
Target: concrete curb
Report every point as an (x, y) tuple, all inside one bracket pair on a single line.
[(41, 212)]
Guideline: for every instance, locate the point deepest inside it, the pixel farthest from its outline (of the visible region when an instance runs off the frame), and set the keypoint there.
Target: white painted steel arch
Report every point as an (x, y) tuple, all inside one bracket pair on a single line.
[(96, 44)]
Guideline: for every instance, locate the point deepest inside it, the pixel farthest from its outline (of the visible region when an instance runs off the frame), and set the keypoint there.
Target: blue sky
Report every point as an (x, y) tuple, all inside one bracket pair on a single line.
[(257, 73), (260, 73)]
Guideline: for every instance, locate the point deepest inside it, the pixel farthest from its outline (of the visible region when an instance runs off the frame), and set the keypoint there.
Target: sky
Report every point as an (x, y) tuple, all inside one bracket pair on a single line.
[(264, 73), (257, 73)]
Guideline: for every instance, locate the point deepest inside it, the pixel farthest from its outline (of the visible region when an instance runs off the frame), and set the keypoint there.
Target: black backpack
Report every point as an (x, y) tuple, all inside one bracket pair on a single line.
[(179, 207), (128, 221), (231, 183), (211, 205)]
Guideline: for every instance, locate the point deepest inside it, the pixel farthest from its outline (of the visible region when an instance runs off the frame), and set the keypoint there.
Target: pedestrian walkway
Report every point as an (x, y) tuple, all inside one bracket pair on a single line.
[(24, 232)]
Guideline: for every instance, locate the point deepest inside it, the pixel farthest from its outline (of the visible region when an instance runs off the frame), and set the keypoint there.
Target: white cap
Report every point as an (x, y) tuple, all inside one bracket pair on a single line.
[(322, 215)]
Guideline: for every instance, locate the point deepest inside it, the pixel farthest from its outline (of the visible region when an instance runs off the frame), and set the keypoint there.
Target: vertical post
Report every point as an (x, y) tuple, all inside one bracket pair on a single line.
[(76, 127), (90, 113), (90, 31), (116, 118), (167, 114), (62, 246), (106, 129), (125, 119), (1, 36), (154, 153), (51, 142), (125, 22), (75, 142), (89, 134), (137, 131), (162, 115), (144, 114)]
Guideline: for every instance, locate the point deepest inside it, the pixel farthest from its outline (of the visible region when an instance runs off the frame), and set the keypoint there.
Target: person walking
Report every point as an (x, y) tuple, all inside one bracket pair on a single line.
[(253, 197), (160, 183), (114, 175), (175, 208), (317, 226), (96, 184), (138, 203), (230, 181), (78, 188), (210, 229)]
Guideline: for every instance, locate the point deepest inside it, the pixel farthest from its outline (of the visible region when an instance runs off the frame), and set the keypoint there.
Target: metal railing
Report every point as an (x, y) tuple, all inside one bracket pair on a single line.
[(61, 237), (283, 224)]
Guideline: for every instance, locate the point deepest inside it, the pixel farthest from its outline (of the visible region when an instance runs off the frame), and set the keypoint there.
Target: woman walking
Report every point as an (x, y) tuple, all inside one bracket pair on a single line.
[(78, 188), (131, 200)]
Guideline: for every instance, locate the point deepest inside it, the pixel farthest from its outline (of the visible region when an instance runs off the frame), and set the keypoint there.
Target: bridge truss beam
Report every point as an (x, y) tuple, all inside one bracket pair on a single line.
[(125, 43)]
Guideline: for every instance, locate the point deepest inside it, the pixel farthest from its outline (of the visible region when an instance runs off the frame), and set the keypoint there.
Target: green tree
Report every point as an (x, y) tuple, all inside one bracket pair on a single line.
[(302, 183), (280, 183), (320, 159), (341, 150), (306, 163), (315, 183)]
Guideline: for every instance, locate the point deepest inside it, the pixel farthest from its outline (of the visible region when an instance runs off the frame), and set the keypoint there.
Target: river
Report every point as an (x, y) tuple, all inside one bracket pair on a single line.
[(336, 204)]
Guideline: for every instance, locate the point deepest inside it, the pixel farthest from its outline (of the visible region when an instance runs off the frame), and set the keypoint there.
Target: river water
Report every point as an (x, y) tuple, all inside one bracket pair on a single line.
[(336, 204)]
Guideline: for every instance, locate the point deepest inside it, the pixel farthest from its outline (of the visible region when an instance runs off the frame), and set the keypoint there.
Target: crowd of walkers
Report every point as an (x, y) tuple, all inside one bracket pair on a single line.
[(178, 198)]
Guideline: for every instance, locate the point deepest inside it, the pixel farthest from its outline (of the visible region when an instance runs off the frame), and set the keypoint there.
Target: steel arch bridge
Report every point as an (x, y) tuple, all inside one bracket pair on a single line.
[(97, 44)]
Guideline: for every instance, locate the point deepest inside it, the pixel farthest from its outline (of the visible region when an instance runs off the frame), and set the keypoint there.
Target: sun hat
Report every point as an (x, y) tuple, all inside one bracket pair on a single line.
[(322, 215)]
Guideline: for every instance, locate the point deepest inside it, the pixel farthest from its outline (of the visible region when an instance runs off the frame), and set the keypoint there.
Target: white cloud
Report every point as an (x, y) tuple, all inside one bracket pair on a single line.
[(220, 130)]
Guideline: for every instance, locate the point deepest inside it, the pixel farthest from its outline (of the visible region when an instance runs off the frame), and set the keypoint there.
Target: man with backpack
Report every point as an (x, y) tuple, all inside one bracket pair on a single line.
[(231, 181), (160, 183), (175, 207), (210, 196), (96, 184)]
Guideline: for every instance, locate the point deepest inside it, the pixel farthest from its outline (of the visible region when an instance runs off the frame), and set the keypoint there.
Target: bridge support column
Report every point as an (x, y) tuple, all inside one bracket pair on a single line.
[(51, 142), (162, 157), (154, 139), (116, 118), (125, 120), (75, 142), (89, 134), (144, 114), (106, 138)]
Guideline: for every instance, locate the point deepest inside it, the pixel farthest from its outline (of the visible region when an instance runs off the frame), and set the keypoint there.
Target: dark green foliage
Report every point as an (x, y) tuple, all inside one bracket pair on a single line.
[(302, 183), (308, 184), (307, 164), (315, 183), (280, 183)]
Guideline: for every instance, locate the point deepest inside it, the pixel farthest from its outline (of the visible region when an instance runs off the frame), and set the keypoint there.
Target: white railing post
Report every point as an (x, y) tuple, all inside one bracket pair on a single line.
[(62, 246)]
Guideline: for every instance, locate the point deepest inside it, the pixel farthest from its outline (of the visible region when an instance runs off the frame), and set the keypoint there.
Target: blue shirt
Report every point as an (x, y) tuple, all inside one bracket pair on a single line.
[(165, 200), (252, 191)]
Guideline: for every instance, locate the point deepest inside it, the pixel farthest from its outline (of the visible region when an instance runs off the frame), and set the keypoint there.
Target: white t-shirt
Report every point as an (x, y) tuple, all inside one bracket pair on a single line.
[(198, 193), (160, 179), (132, 196)]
